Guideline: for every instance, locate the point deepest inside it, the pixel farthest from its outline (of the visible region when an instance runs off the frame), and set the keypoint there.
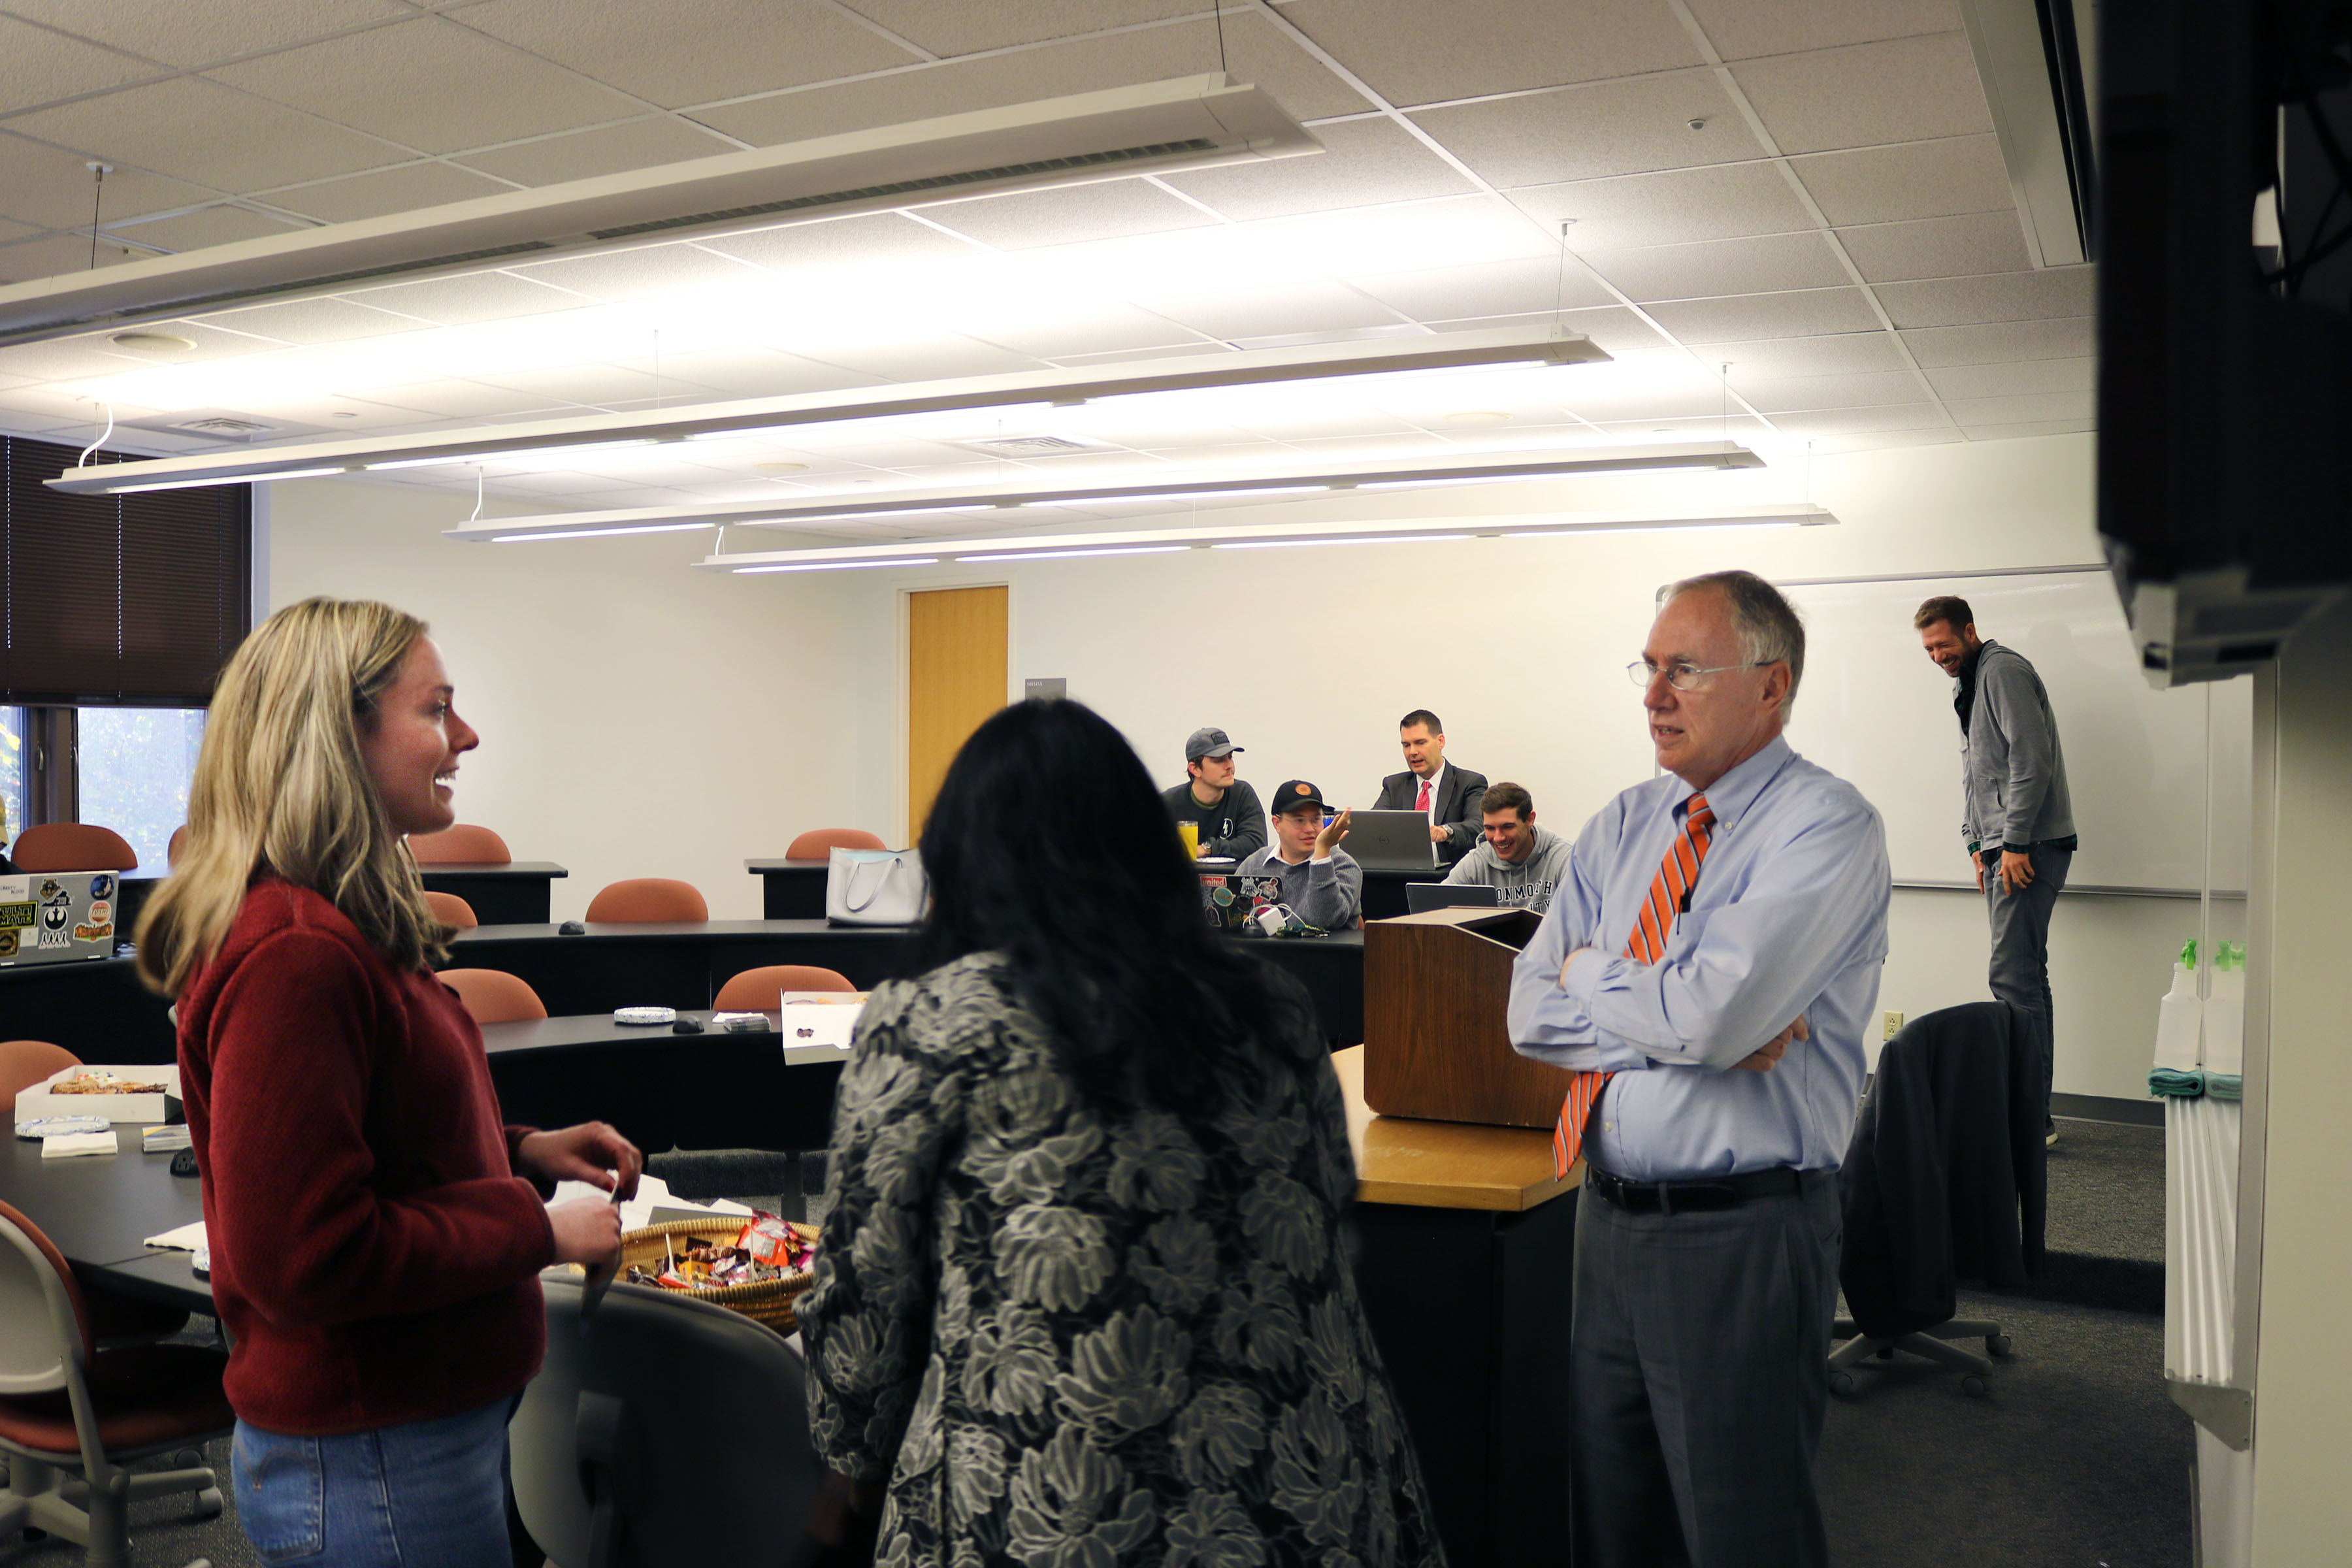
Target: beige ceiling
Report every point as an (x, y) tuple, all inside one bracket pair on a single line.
[(1839, 230)]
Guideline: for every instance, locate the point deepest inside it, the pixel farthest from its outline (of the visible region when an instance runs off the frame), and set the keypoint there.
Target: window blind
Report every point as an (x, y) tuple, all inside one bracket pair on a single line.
[(136, 600)]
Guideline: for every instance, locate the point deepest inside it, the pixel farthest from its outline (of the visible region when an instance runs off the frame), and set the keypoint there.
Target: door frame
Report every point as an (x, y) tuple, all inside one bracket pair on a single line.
[(904, 708)]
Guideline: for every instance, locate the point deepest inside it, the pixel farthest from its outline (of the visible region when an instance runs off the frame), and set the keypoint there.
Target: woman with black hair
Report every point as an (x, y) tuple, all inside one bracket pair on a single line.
[(1083, 1299)]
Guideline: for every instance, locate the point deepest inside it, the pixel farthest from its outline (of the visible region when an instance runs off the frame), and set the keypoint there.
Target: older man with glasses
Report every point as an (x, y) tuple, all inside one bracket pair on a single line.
[(1708, 966)]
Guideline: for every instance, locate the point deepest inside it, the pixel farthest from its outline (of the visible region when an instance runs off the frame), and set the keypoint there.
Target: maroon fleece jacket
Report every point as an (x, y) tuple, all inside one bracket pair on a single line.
[(374, 1254)]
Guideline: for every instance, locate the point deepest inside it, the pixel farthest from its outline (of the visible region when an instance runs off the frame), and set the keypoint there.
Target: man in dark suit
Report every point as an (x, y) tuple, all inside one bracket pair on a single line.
[(1448, 796)]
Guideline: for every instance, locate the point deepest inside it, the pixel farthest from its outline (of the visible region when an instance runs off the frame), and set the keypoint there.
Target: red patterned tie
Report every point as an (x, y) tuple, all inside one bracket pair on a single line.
[(1423, 803), (1669, 892)]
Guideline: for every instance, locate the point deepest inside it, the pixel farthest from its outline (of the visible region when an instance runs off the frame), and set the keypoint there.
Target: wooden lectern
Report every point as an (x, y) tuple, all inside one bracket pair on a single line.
[(1437, 988)]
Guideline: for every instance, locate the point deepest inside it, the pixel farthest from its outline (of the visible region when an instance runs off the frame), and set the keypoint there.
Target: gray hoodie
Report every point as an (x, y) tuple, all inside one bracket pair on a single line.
[(2012, 771), (1529, 884), (1327, 893)]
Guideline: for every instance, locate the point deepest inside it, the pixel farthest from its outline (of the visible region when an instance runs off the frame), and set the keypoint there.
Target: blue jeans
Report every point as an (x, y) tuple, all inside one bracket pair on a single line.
[(426, 1493)]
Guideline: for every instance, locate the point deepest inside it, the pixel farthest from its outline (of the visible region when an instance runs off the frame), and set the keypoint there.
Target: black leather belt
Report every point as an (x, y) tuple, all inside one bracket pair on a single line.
[(1709, 1193)]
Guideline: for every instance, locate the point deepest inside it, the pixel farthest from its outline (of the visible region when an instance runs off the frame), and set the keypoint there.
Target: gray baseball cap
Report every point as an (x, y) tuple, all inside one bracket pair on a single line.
[(1208, 744)]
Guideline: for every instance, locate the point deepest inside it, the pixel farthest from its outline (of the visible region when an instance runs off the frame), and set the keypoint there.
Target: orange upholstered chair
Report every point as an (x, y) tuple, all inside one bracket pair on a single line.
[(494, 997), (758, 989), (72, 847), (463, 845), (24, 1063), (649, 898), (172, 850), (451, 911), (819, 842)]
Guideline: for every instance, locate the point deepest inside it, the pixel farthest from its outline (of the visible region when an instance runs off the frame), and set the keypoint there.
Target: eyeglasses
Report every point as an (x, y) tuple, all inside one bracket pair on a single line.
[(1682, 677)]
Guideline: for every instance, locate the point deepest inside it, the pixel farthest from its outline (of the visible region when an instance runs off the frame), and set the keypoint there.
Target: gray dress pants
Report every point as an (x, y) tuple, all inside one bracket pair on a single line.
[(2020, 973), (1698, 1359)]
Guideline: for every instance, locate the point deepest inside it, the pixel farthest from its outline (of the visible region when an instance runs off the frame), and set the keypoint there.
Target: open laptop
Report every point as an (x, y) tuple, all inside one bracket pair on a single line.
[(1390, 841), (47, 917), (1422, 896)]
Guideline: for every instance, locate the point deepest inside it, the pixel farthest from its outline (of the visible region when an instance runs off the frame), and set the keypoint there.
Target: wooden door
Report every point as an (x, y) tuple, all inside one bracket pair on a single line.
[(956, 676)]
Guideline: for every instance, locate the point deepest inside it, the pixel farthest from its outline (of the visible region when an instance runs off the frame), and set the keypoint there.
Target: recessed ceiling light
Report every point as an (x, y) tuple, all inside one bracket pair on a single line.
[(1479, 417), (782, 467), (152, 342)]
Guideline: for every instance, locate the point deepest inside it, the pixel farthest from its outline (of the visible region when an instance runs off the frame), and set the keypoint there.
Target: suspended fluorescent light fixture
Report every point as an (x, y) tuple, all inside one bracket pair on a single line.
[(1249, 367), (1187, 123), (820, 511), (1046, 546), (595, 533)]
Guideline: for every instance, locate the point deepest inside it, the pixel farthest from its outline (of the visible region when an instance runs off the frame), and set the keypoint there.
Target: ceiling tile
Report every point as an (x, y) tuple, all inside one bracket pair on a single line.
[(1801, 312), (67, 359), (321, 320), (2015, 380), (37, 65), (862, 241), (57, 256), (706, 48), (1109, 210), (1878, 440), (761, 372), (11, 229), (1258, 54), (1668, 208), (1972, 412), (1844, 421), (345, 416), (1904, 90), (1919, 179), (382, 190), (212, 344), (1759, 265), (1699, 428), (454, 399), (1494, 288), (48, 188), (597, 383), (1596, 129), (967, 29), (1741, 30), (210, 225), (196, 130), (634, 274), (2039, 428), (1813, 391), (2001, 341), (1269, 313), (464, 301), (1079, 329), (1938, 247), (1617, 329), (914, 358), (1411, 52), (428, 84), (1848, 353), (2008, 297), (1365, 162), (199, 34), (603, 150)]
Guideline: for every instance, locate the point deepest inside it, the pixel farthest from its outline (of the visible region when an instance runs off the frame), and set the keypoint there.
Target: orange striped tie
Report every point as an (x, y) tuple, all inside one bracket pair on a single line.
[(1669, 892)]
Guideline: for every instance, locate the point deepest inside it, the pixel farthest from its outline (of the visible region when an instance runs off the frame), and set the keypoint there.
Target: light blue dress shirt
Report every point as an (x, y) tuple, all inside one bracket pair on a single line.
[(1789, 917)]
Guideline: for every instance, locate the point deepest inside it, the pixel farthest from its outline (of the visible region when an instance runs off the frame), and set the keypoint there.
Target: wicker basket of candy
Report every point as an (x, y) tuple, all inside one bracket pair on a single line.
[(757, 1268)]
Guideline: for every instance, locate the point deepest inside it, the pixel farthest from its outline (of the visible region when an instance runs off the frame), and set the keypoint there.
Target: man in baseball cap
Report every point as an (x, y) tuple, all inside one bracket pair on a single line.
[(1225, 810), (1321, 880)]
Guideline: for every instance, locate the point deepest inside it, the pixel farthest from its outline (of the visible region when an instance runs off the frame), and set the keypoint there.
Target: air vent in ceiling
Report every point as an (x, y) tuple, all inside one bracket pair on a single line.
[(228, 429), (1034, 446), (1188, 123)]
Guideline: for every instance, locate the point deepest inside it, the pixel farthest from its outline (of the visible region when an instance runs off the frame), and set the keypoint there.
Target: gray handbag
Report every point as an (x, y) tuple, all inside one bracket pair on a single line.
[(876, 887)]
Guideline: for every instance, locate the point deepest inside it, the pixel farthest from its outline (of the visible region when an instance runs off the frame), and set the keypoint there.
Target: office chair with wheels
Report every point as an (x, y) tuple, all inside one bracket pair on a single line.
[(649, 898), (461, 844), (451, 911), (659, 1432), (71, 1415), (818, 843), (758, 989), (494, 997)]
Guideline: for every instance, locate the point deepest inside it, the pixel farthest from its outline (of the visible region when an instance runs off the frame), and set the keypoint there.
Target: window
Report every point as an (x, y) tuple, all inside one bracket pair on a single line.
[(12, 773), (132, 767)]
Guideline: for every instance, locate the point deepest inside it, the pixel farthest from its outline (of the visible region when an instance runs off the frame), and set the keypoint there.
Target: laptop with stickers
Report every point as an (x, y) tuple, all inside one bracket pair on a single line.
[(50, 917)]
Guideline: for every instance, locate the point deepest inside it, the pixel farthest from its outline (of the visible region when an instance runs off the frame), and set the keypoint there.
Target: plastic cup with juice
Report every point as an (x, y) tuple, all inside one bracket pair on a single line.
[(1189, 832)]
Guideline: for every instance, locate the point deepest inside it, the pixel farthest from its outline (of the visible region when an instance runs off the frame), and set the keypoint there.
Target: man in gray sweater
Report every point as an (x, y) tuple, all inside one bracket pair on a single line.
[(2017, 818), (1522, 862), (1320, 881)]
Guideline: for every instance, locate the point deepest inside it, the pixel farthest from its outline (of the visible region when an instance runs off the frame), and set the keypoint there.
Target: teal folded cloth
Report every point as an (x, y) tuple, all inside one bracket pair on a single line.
[(2224, 1086), (2167, 1083)]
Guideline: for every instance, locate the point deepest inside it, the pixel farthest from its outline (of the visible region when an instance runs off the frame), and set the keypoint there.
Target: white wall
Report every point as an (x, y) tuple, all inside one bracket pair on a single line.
[(636, 712), (637, 719)]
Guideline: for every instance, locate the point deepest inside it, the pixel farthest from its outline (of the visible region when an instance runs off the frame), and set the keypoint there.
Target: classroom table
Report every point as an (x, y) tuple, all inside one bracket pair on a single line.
[(790, 890), (94, 1007), (502, 892), (100, 1208)]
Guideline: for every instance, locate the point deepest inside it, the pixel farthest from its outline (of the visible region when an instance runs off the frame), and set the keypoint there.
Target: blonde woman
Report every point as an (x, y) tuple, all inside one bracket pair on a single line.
[(376, 1232)]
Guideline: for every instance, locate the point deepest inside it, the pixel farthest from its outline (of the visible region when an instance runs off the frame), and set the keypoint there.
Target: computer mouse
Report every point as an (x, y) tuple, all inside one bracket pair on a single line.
[(572, 928), (687, 1026), (183, 1164)]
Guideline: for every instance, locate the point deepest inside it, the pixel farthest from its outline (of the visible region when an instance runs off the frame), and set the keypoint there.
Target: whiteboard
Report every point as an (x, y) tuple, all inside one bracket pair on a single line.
[(1876, 711)]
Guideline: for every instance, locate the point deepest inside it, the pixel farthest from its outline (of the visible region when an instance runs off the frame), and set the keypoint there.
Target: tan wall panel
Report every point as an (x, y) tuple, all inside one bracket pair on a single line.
[(956, 664)]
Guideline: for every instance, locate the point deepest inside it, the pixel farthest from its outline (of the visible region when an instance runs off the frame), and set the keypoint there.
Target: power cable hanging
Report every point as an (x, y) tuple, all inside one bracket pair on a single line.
[(97, 197), (1218, 10), (98, 440)]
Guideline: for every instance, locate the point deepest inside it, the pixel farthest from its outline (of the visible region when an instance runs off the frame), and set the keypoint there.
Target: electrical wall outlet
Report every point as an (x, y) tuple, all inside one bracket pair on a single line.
[(1893, 1024)]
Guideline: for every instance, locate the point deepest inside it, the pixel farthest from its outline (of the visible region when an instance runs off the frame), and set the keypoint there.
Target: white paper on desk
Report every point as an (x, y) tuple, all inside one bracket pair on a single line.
[(818, 1026), (189, 1237), (653, 1192), (65, 1146)]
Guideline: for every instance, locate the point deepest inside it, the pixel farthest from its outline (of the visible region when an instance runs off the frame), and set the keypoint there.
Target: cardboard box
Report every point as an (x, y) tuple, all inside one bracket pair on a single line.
[(37, 1102)]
